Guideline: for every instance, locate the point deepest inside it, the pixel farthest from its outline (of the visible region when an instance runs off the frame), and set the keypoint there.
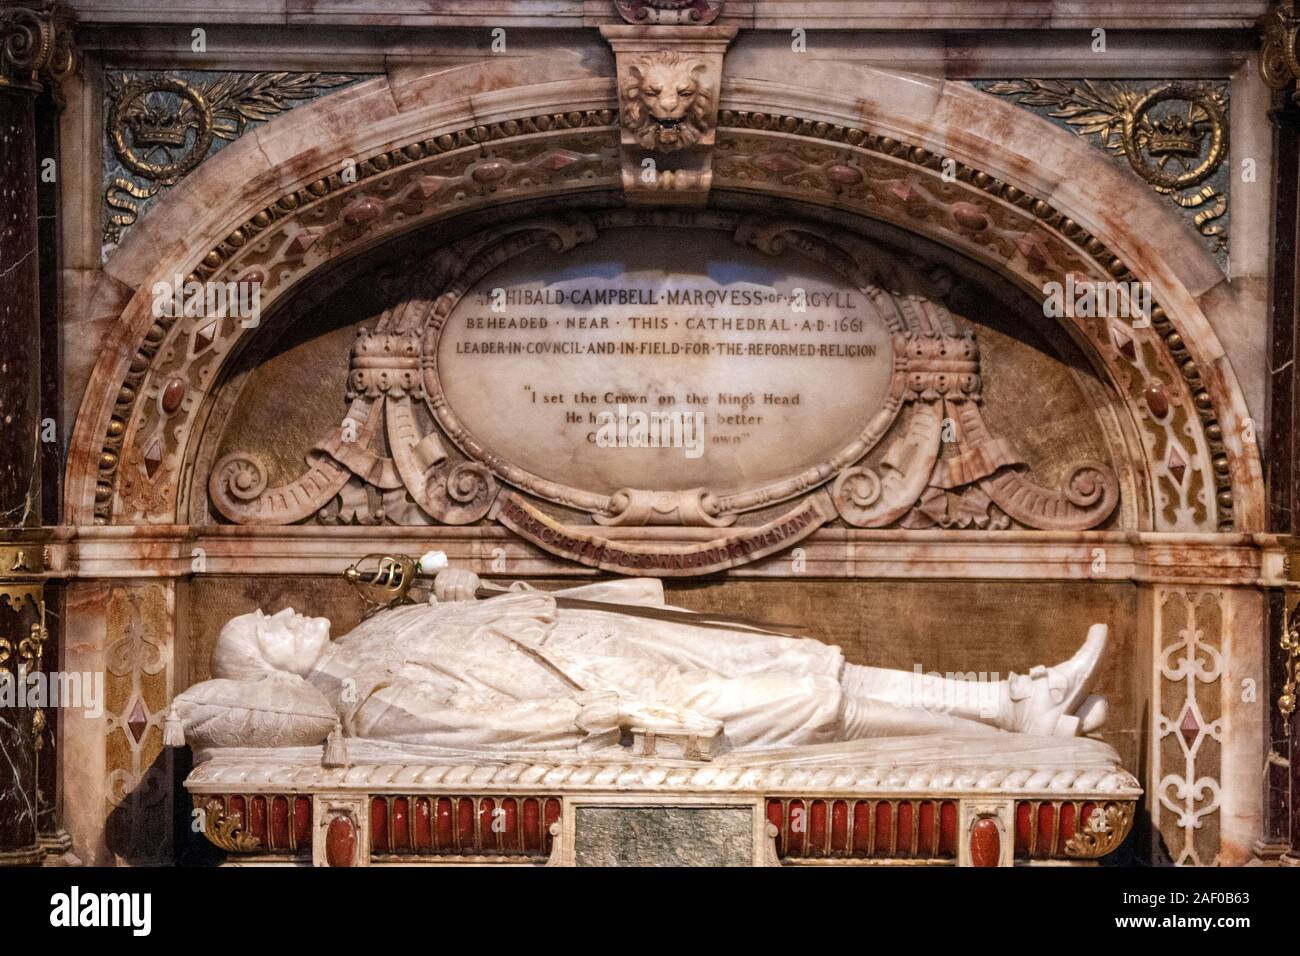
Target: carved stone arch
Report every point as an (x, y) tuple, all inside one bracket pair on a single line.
[(1029, 200)]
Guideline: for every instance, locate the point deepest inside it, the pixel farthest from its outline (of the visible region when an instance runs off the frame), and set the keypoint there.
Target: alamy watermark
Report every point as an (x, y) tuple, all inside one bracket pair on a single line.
[(70, 690), (1088, 299), (178, 299), (657, 429)]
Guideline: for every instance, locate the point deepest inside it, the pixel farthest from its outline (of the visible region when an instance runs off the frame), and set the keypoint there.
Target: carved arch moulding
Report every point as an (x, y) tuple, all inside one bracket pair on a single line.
[(134, 451)]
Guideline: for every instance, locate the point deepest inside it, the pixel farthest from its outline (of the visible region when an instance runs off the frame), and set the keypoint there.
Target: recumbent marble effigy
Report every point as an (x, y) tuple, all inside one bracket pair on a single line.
[(594, 696)]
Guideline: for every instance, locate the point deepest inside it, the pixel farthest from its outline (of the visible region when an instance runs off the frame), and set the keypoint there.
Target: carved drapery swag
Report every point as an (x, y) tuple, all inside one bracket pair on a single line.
[(942, 466)]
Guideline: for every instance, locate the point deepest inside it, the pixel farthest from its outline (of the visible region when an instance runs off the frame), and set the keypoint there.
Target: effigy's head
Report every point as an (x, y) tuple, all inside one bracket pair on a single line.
[(252, 645)]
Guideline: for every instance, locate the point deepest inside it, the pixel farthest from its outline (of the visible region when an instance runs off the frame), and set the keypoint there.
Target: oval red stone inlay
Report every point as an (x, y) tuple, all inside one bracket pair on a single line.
[(341, 841), (362, 212), (489, 172), (1157, 401), (172, 394), (843, 175), (969, 216), (985, 843)]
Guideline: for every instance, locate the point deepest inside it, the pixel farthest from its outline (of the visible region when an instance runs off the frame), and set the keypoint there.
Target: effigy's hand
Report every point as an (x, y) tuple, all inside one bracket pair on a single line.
[(454, 584)]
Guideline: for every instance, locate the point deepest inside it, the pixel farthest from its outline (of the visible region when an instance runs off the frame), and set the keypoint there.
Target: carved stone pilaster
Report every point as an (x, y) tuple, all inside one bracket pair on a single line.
[(35, 48), (668, 84)]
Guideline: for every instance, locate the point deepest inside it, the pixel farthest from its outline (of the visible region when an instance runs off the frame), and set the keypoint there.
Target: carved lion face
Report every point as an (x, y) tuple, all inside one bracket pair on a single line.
[(665, 104)]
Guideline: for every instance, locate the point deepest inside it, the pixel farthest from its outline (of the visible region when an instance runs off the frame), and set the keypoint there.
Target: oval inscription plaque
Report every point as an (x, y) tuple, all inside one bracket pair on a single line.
[(666, 359)]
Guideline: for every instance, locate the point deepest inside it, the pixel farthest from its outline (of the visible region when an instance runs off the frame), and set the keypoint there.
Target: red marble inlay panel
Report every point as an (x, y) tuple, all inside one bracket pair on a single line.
[(948, 828), (257, 818), (532, 824), (443, 825), (985, 843), (302, 822), (884, 827), (1046, 831), (796, 827), (465, 825), (379, 824), (423, 824), (925, 831), (862, 827), (549, 816), (510, 836), (341, 841), (867, 827), (839, 827), (488, 826), (401, 824), (1024, 828), (279, 823), (816, 827)]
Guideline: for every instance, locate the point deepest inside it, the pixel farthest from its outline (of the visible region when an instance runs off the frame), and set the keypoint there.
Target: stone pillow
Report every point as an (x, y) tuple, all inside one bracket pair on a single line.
[(279, 710)]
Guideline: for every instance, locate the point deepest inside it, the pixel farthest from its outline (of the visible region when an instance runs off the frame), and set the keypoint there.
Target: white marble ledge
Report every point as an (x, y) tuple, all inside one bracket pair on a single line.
[(1007, 765), (1243, 560)]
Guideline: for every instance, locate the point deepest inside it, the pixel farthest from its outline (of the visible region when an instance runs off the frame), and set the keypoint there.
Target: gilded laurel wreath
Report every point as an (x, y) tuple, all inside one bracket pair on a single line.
[(1174, 135), (161, 126)]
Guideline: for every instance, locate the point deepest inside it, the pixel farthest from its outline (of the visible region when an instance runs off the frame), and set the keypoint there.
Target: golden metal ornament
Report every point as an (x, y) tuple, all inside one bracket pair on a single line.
[(1173, 150), (225, 831), (1153, 141), (1279, 64), (151, 137), (1290, 645), (162, 126), (31, 648), (383, 580), (1104, 830), (35, 44)]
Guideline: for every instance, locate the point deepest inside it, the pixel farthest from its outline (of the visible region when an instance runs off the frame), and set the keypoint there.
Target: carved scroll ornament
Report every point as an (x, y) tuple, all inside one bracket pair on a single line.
[(942, 468)]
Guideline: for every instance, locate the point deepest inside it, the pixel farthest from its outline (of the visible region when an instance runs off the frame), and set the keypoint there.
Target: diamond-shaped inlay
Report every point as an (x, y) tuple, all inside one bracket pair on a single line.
[(553, 162), (205, 336), (1124, 342), (305, 239), (905, 191), (1177, 467), (138, 722), (778, 164), (1189, 728), (1033, 247), (153, 457)]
